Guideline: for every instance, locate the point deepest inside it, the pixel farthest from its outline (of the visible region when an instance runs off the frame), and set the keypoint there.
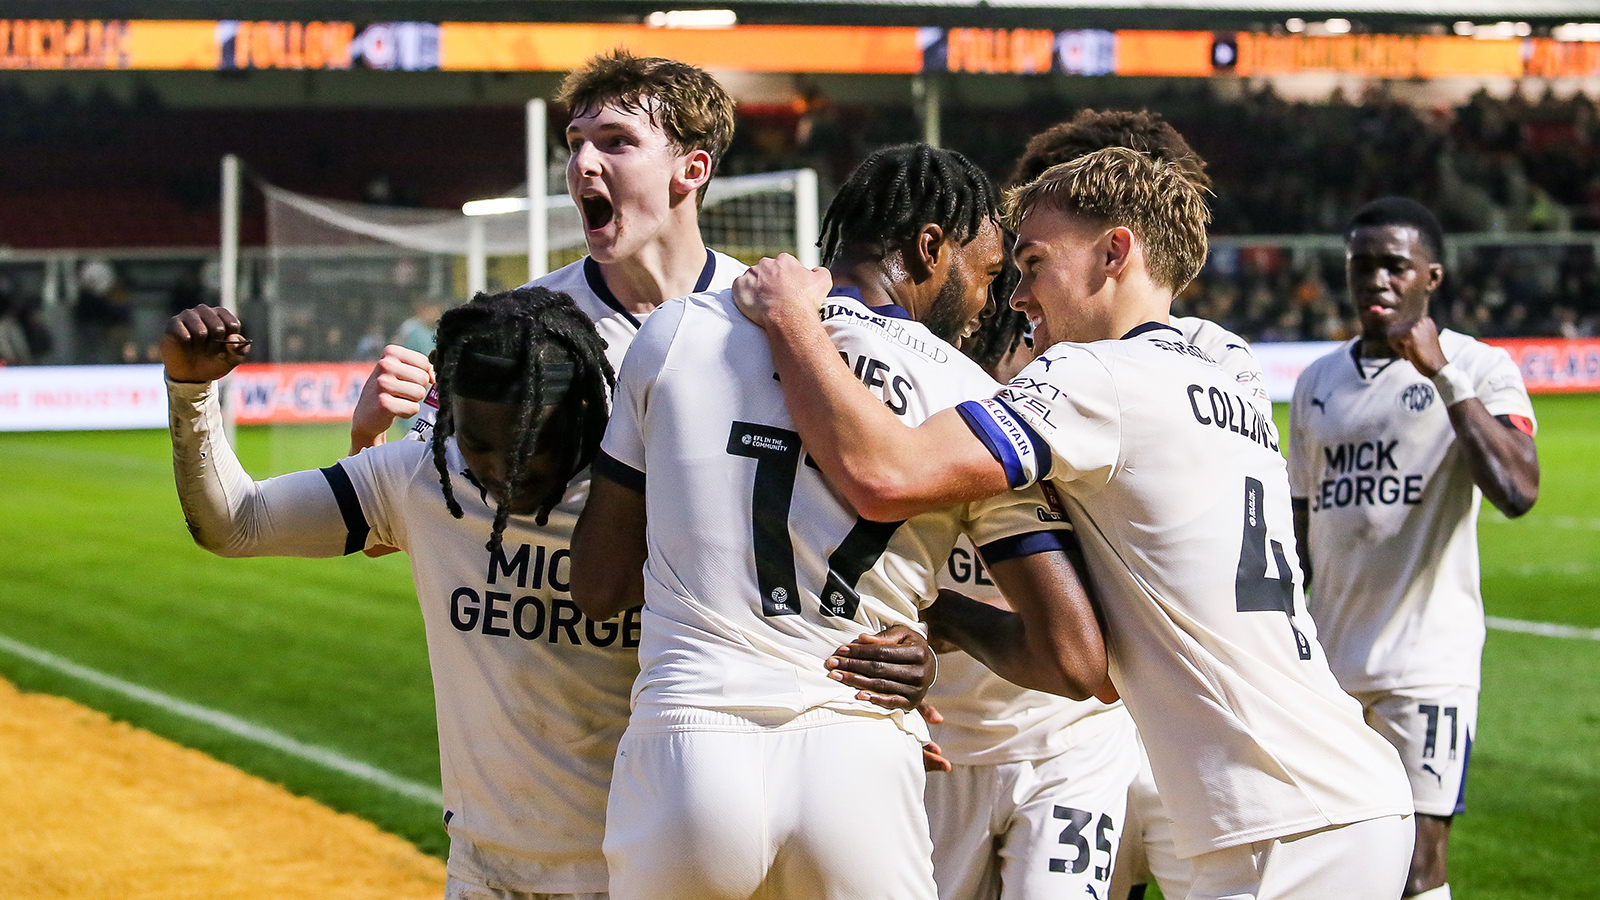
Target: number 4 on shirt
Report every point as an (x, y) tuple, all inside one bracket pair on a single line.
[(1252, 589)]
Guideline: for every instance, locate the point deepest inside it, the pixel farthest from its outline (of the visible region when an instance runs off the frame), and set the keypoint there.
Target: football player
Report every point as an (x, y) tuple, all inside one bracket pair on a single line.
[(1180, 498), (742, 771), (1395, 439), (531, 696)]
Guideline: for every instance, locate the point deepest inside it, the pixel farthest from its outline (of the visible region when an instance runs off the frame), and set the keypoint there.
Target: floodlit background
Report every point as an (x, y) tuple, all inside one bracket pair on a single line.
[(361, 129)]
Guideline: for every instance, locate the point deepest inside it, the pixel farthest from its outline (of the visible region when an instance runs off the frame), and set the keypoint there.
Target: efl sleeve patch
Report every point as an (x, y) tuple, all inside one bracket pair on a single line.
[(1012, 442)]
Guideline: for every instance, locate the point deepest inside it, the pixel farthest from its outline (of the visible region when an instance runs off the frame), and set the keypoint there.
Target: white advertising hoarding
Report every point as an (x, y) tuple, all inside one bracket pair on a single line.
[(77, 398)]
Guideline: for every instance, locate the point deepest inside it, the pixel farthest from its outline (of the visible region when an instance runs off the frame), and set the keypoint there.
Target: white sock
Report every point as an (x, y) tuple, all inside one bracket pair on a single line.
[(1442, 892)]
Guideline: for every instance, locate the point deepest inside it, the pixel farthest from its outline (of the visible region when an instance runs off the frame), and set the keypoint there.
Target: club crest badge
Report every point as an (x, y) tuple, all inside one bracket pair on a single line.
[(1417, 397)]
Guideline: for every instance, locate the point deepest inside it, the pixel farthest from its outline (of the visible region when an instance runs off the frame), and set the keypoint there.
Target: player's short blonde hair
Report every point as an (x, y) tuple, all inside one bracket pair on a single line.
[(690, 107), (1155, 200)]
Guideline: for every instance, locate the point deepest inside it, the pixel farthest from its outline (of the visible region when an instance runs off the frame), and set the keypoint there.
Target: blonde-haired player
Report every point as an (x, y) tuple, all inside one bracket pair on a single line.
[(1180, 499), (1031, 805)]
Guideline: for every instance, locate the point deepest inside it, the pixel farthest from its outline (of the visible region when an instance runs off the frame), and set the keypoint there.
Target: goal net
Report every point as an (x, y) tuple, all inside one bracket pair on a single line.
[(343, 277)]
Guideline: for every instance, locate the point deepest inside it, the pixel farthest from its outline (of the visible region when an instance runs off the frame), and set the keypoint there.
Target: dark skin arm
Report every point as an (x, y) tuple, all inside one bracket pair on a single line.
[(608, 550), (1503, 460), (1052, 642), (202, 344), (893, 668)]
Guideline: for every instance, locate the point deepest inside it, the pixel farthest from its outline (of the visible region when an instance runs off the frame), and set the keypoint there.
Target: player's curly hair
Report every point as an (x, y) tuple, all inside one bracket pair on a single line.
[(693, 110), (545, 341), (897, 190), (1092, 130)]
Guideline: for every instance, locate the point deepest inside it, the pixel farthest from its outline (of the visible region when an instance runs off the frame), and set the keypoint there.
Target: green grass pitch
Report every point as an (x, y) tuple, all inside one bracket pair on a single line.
[(98, 568)]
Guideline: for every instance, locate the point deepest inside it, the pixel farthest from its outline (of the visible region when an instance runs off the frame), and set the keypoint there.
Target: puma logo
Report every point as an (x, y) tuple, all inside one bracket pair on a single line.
[(1426, 767), (1319, 404)]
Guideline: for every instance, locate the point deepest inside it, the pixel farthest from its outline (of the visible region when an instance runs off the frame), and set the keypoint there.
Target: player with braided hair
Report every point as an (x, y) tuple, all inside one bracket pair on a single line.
[(563, 395), (1277, 787), (744, 771), (531, 696)]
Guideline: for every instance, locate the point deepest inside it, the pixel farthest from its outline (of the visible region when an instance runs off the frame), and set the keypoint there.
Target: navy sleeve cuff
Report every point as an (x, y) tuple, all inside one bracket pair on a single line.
[(1027, 545), (620, 472)]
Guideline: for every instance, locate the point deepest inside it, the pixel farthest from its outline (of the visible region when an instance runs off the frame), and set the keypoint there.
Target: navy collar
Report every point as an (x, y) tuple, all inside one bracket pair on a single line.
[(597, 283), (1146, 328), (1361, 362), (888, 310)]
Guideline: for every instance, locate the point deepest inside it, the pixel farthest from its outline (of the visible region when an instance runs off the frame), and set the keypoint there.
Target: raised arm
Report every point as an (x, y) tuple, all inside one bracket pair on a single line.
[(395, 390), (886, 470), (1052, 642), (1504, 459), (227, 512)]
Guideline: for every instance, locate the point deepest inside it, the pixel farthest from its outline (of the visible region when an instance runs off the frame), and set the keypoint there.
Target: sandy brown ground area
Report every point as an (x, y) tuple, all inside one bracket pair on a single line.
[(91, 808)]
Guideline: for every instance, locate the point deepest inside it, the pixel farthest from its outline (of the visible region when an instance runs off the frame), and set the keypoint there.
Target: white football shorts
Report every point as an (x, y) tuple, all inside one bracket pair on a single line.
[(1433, 728), (827, 806), (1361, 861), (1035, 830)]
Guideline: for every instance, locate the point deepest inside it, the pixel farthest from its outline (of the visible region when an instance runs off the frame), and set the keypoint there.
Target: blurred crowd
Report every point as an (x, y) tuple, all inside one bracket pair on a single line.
[(1515, 179)]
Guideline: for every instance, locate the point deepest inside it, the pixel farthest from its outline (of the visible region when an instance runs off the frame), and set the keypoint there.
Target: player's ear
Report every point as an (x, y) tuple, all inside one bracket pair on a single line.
[(693, 172), (1118, 244), (929, 251), (1435, 276)]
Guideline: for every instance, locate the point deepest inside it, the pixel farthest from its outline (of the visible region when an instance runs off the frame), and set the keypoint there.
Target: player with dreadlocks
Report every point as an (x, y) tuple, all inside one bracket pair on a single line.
[(539, 357), (531, 696), (745, 770)]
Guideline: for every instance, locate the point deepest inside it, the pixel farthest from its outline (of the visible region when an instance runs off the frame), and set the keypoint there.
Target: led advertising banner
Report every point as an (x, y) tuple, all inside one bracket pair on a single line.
[(556, 47)]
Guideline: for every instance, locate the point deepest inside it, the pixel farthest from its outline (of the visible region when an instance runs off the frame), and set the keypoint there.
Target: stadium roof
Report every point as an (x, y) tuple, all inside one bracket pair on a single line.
[(1060, 13)]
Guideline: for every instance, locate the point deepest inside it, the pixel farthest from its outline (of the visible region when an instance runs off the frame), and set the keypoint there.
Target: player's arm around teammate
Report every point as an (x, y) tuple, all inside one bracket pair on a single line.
[(893, 668)]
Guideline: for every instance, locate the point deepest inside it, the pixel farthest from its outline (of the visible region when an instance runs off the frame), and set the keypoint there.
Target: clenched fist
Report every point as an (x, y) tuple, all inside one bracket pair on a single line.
[(202, 344)]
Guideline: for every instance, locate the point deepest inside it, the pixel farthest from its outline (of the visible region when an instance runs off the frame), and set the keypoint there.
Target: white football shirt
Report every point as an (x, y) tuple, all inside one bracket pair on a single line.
[(532, 696), (757, 571), (1231, 352), (990, 721), (1394, 513), (1179, 496), (583, 282), (537, 819)]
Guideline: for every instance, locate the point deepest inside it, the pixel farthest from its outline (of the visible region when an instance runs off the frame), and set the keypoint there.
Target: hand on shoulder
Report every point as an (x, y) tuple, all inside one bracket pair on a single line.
[(774, 288)]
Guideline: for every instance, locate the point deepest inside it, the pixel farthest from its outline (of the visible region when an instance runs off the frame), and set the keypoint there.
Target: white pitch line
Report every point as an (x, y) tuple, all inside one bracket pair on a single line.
[(1546, 522), (1547, 629), (235, 726)]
